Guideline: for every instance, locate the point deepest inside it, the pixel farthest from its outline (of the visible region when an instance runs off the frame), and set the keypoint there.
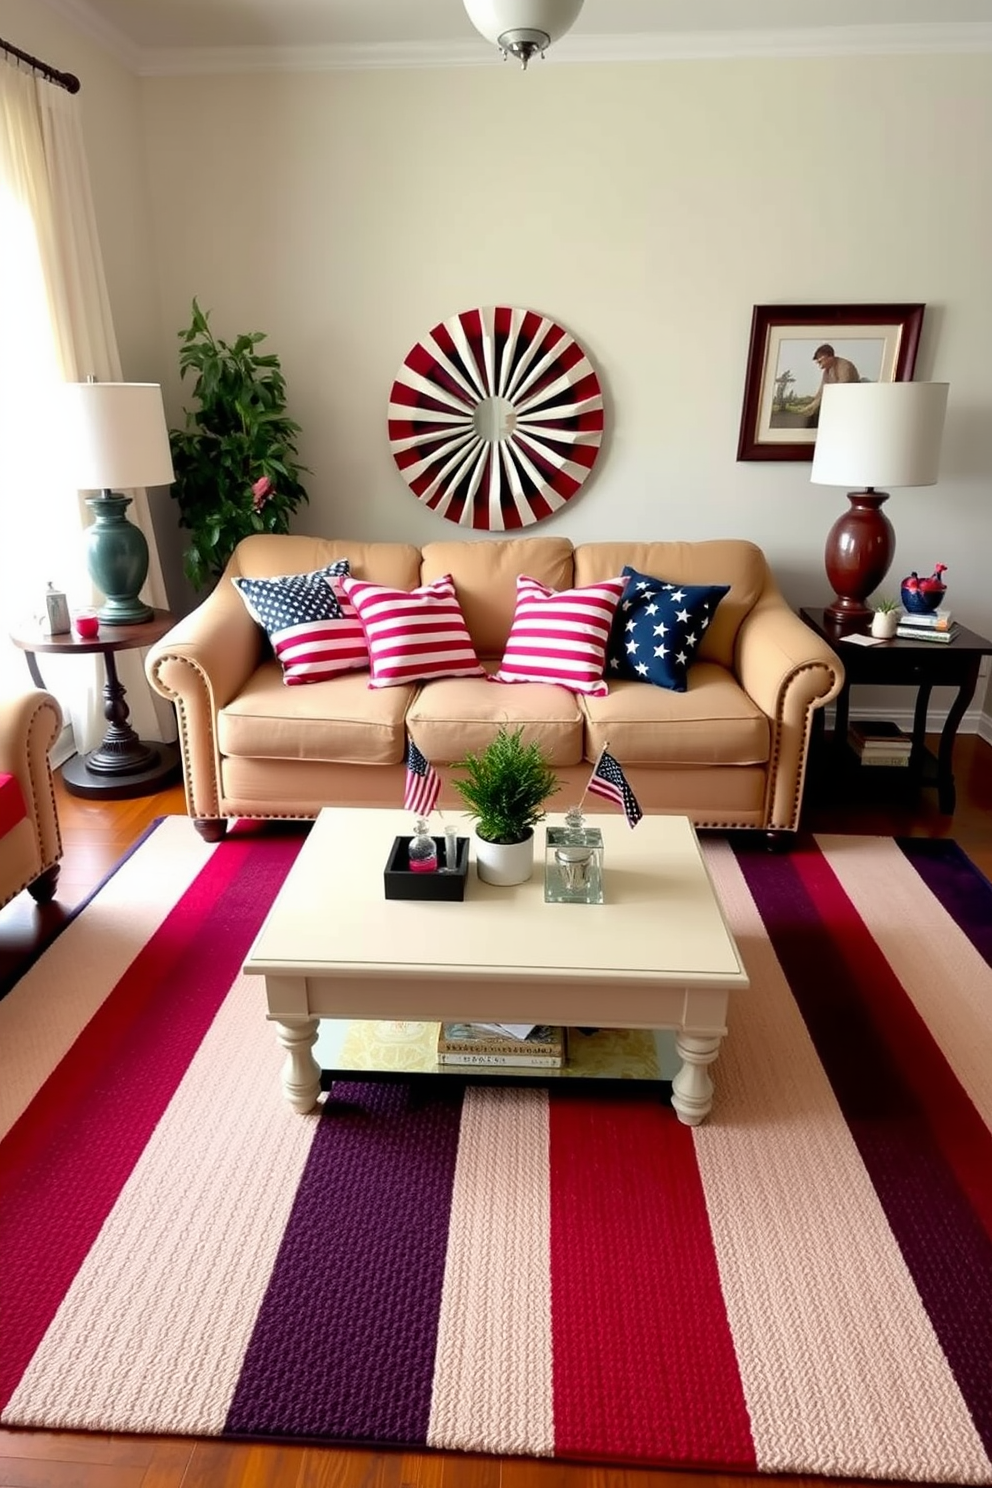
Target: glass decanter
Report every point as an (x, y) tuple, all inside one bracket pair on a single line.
[(423, 848)]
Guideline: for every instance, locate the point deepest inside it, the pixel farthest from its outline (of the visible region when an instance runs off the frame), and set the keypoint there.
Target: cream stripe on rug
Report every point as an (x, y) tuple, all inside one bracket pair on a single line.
[(492, 1376), (928, 953), (43, 1014), (840, 1365), (152, 1333)]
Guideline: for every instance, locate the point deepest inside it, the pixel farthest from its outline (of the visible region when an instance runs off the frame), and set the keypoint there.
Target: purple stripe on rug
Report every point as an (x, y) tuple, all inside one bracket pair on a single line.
[(345, 1339), (946, 1249), (956, 883)]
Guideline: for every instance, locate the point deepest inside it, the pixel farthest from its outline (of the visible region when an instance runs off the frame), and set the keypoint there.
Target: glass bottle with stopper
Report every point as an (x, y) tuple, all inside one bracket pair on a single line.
[(573, 864), (423, 848)]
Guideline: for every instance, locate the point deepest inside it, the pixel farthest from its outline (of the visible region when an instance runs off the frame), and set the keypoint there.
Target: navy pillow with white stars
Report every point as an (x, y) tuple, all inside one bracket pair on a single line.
[(292, 599), (658, 628)]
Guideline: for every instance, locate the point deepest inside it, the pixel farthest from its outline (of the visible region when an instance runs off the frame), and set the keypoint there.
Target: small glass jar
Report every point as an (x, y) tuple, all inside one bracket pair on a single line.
[(423, 849), (573, 864)]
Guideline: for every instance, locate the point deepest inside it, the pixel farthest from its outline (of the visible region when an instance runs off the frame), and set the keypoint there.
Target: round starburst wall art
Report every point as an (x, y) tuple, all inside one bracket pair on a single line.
[(496, 418)]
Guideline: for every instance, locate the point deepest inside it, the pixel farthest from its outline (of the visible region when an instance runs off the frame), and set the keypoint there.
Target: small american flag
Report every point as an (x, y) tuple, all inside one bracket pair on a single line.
[(423, 783), (609, 780)]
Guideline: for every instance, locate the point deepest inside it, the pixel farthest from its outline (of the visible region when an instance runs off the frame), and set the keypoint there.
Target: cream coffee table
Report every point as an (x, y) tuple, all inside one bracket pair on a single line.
[(656, 954)]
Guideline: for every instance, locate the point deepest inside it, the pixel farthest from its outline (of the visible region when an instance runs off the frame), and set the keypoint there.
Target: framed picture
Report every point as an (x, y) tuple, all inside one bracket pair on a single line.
[(796, 349)]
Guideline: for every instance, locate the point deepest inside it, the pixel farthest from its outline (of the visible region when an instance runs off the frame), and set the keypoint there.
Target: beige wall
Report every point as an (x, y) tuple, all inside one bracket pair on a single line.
[(645, 207)]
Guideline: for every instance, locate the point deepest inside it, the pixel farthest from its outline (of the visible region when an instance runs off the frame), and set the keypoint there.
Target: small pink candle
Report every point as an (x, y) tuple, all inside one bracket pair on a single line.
[(87, 624)]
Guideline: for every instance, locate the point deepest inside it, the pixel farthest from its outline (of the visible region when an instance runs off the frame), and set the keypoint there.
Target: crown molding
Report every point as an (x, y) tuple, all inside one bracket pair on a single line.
[(821, 41), (88, 22), (179, 61)]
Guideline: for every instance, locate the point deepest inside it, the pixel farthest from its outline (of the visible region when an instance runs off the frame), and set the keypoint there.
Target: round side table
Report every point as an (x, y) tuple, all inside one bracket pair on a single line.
[(122, 765)]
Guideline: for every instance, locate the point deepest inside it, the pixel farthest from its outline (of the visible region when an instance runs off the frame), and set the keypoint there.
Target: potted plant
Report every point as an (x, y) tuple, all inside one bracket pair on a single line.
[(505, 788), (885, 617), (235, 458)]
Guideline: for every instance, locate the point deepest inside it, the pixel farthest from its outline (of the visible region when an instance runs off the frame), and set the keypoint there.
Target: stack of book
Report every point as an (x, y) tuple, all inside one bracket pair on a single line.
[(477, 1043), (878, 742), (938, 625)]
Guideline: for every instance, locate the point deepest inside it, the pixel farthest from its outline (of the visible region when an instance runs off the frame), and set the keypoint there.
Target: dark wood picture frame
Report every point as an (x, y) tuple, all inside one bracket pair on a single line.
[(891, 334)]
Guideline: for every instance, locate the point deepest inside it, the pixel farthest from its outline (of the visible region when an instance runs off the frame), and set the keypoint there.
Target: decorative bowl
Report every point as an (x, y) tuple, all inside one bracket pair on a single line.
[(922, 601)]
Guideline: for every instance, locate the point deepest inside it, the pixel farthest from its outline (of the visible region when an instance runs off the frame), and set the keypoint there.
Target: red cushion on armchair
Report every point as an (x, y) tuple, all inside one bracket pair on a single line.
[(12, 807)]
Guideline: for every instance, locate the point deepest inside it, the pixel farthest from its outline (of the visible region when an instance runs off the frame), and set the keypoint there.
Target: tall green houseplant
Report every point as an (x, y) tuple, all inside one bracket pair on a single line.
[(235, 459)]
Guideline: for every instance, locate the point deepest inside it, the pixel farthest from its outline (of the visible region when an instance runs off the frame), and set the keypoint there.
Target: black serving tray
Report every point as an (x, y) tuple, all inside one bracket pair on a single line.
[(442, 888)]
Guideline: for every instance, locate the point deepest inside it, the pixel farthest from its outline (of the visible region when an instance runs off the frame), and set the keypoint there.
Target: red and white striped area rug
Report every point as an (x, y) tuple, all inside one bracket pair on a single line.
[(803, 1284)]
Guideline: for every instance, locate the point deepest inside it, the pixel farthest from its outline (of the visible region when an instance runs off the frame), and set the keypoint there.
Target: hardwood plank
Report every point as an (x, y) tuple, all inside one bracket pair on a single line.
[(29, 1472), (170, 1460), (462, 1470), (67, 1446), (356, 1468), (215, 1464)]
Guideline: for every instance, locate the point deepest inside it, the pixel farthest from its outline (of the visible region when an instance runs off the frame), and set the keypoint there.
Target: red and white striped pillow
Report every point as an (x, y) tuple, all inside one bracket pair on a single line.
[(560, 635), (413, 635)]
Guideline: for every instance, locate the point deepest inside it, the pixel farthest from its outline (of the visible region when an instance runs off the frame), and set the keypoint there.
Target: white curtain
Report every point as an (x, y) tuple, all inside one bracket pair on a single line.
[(55, 325)]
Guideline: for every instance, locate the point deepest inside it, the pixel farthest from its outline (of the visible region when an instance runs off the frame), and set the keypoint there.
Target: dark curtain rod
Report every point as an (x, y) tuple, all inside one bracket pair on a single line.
[(66, 80)]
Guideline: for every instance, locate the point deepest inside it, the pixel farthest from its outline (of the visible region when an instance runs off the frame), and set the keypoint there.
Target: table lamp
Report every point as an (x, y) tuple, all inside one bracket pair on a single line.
[(872, 434), (115, 435)]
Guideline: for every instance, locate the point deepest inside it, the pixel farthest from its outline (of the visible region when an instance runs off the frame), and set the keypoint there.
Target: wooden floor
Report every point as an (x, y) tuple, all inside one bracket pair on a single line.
[(95, 836)]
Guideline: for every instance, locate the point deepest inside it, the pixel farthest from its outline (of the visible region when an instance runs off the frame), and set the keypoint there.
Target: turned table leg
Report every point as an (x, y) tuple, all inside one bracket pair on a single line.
[(692, 1088), (301, 1072)]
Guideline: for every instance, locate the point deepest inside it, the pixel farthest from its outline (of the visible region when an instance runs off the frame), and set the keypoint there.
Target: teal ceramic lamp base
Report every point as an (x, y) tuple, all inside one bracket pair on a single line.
[(117, 559)]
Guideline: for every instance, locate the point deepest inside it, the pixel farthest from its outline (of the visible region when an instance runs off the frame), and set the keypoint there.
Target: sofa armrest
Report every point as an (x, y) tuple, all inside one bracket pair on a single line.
[(203, 662), (30, 723), (789, 672)]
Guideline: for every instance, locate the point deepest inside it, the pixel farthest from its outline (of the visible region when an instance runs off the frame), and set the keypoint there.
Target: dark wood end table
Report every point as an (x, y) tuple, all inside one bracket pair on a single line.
[(122, 765), (920, 664)]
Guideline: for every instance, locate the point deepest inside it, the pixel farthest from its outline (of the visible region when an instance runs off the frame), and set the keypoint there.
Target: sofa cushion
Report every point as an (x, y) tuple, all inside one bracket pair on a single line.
[(713, 722), (451, 717), (560, 636), (338, 721), (732, 561), (485, 574), (313, 631), (413, 635), (658, 628)]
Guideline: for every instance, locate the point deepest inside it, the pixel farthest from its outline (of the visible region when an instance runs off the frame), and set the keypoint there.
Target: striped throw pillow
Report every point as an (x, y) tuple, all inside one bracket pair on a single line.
[(314, 630), (560, 635), (413, 635)]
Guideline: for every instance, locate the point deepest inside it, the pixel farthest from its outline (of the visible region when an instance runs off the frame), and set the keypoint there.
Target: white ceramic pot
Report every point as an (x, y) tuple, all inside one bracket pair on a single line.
[(884, 623), (504, 863)]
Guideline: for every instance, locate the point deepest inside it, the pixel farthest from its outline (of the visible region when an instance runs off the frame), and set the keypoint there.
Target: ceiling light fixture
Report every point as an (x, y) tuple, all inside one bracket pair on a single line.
[(522, 28)]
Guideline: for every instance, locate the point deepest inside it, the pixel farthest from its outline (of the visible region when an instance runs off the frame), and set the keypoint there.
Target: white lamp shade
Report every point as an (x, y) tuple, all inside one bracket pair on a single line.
[(879, 434), (493, 18), (115, 435)]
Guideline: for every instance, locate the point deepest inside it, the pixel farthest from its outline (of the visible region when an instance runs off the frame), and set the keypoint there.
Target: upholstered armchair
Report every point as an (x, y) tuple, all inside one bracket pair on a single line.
[(30, 842)]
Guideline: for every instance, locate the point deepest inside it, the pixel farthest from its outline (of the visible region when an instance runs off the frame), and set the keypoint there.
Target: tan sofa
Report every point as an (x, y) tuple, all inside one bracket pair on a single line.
[(729, 753), (31, 848)]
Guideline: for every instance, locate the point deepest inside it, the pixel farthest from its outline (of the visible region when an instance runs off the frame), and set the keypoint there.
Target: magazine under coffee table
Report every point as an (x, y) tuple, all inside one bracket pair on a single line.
[(351, 1050), (656, 955)]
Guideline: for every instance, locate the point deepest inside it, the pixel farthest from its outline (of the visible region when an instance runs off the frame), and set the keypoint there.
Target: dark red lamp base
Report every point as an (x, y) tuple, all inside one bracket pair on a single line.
[(858, 554)]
